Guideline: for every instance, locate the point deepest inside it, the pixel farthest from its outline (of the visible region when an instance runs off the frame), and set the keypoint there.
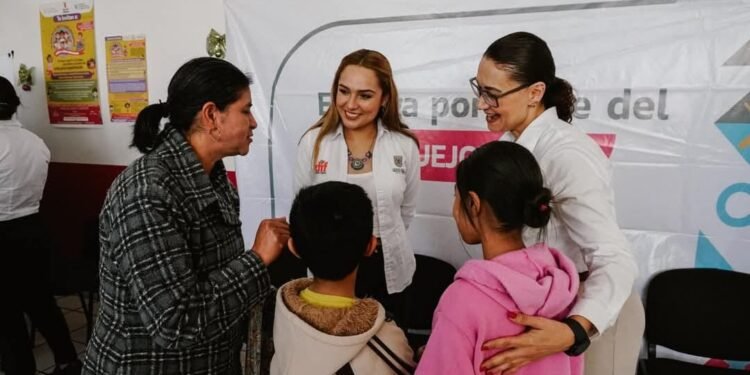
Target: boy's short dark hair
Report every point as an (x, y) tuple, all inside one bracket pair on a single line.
[(331, 226)]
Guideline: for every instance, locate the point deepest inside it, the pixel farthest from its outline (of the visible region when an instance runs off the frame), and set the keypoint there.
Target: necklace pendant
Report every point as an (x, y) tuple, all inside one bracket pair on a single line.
[(357, 164)]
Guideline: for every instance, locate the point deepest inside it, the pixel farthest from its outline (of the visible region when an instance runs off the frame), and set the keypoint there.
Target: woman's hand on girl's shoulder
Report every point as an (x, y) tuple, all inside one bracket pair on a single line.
[(542, 338)]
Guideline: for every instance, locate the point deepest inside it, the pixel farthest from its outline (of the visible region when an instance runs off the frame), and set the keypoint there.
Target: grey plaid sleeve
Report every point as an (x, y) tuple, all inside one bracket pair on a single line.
[(178, 306)]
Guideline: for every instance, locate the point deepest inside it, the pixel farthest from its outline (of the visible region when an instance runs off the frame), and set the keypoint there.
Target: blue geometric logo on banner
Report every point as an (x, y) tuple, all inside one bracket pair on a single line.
[(735, 125), (706, 255), (739, 365), (739, 136), (723, 202)]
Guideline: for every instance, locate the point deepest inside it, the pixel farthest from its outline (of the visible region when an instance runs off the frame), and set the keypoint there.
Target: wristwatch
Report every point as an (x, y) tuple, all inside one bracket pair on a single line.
[(580, 336)]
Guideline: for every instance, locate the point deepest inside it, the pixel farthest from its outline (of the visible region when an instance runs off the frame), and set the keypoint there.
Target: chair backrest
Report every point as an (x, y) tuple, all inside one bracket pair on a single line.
[(79, 272), (430, 280), (703, 312), (90, 250)]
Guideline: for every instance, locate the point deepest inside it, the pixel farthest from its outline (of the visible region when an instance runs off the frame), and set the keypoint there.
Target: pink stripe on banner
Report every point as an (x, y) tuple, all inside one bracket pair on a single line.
[(718, 363), (606, 141), (440, 151)]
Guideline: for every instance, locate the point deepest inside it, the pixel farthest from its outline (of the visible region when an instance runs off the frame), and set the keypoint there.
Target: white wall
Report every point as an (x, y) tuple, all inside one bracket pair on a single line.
[(175, 31)]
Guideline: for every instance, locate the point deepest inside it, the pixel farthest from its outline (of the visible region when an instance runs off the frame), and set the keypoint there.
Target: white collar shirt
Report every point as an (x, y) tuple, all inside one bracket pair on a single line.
[(583, 224), (24, 159), (396, 171)]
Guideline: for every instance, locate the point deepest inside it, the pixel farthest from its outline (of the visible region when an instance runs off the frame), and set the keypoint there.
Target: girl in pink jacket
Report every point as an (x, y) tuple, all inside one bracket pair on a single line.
[(499, 190)]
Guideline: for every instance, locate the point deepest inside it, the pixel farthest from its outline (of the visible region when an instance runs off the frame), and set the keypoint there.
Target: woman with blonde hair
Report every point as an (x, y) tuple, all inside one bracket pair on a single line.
[(362, 140)]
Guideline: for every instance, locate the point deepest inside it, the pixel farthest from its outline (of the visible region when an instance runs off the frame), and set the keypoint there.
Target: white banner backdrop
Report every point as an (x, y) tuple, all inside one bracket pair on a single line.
[(663, 86)]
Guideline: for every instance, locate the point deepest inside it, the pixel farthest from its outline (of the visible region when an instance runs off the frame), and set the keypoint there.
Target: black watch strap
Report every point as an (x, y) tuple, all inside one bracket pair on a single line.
[(580, 336)]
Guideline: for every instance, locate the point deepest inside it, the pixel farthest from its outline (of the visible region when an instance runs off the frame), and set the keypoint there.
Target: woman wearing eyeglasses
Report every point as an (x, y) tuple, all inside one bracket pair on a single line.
[(521, 96)]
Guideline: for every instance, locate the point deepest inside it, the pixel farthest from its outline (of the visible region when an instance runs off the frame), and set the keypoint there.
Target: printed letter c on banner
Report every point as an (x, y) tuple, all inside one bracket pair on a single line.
[(721, 205)]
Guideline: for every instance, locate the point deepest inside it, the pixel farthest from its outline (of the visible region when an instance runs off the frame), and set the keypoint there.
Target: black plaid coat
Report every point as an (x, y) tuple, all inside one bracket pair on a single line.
[(176, 281)]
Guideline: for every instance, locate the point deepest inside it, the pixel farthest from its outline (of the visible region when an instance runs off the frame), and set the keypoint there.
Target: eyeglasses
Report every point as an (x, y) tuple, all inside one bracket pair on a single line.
[(488, 97)]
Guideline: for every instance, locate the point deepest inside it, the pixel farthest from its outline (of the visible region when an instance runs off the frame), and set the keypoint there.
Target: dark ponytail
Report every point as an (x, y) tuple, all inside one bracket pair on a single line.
[(537, 211), (528, 60), (146, 130), (197, 82), (506, 177), (9, 101), (560, 95)]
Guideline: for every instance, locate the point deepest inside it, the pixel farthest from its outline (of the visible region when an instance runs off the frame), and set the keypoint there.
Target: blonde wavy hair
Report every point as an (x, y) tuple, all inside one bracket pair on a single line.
[(389, 115)]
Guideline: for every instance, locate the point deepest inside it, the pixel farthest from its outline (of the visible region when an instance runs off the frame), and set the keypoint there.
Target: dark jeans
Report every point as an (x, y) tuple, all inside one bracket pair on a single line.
[(25, 288), (371, 283)]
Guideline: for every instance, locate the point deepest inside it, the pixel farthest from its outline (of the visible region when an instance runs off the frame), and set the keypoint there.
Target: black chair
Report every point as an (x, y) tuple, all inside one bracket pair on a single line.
[(701, 312), (90, 262), (430, 280), (79, 275)]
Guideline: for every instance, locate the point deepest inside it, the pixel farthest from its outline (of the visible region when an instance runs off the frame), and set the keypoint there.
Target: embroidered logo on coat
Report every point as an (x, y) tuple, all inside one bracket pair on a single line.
[(398, 160), (321, 166)]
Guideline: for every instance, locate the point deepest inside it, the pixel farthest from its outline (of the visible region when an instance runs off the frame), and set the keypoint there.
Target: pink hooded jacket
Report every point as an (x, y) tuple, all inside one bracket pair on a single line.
[(536, 281)]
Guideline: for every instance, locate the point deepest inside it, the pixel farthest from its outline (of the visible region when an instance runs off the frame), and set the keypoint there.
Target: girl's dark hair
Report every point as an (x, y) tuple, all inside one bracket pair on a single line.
[(506, 177), (9, 101), (197, 82), (528, 60)]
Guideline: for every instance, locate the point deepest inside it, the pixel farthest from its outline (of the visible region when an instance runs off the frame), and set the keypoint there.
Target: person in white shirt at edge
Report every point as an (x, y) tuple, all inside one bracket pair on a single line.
[(361, 140), (521, 96), (25, 250)]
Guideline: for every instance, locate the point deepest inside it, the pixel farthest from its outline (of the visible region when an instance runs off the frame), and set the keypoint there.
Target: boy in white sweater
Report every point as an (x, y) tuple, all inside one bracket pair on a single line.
[(320, 327)]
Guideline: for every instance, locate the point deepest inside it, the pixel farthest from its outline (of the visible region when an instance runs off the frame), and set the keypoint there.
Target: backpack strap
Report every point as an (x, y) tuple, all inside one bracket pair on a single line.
[(393, 355), (398, 365), (345, 370)]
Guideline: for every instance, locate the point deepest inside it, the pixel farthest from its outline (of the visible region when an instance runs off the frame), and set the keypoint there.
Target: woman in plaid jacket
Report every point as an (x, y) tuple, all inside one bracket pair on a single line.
[(176, 280)]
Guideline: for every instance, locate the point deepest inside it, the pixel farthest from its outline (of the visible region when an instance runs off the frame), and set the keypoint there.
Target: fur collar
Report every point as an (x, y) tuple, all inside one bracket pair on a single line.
[(333, 321)]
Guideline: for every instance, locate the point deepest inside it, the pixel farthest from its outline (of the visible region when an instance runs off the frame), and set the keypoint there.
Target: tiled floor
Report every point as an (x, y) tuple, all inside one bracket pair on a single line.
[(73, 311)]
